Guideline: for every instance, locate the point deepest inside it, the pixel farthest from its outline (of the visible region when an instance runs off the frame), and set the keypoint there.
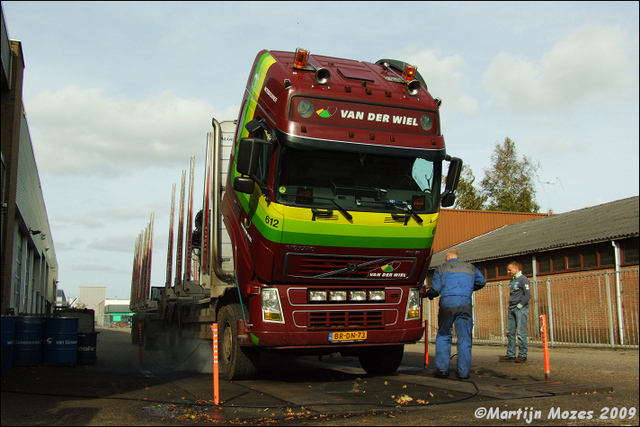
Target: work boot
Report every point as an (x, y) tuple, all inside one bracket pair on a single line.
[(520, 359), (462, 377), (440, 374), (507, 359)]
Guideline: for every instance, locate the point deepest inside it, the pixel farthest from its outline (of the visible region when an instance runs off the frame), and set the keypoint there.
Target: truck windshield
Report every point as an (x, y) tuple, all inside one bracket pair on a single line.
[(354, 181)]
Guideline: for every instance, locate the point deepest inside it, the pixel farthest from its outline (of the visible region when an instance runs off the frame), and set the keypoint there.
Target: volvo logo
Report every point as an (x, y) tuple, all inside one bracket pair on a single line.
[(352, 268)]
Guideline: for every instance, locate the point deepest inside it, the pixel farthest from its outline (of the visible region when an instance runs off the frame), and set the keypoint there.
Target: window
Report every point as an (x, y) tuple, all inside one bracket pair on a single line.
[(357, 181), (573, 260), (544, 264), (607, 256), (264, 157), (502, 269), (491, 272), (630, 251), (264, 161), (527, 268), (557, 260), (590, 257)]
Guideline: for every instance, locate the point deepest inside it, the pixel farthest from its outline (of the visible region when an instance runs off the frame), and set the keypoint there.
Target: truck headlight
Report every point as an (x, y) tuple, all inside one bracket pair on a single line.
[(376, 295), (271, 308), (317, 295), (413, 304), (338, 295), (358, 295), (305, 109)]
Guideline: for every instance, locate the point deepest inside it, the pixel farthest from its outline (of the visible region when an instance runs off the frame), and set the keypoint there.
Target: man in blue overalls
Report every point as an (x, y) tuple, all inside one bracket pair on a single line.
[(455, 281)]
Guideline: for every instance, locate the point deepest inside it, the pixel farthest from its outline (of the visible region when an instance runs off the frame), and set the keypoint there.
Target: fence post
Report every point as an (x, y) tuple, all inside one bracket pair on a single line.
[(534, 269), (429, 312), (550, 324), (612, 338), (536, 311), (502, 328), (616, 251)]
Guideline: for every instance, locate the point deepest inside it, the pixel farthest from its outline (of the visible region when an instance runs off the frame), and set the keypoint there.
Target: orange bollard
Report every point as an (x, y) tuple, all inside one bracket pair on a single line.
[(216, 381), (140, 340), (426, 344), (545, 348)]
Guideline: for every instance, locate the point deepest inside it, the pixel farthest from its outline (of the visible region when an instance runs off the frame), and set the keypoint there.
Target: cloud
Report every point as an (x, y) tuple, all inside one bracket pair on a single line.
[(86, 221), (98, 268), (590, 64), (86, 132), (123, 243), (445, 79), (556, 144)]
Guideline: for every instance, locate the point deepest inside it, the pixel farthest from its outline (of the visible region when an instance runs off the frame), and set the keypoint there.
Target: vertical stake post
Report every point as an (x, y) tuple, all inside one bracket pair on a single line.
[(216, 381), (545, 348), (426, 343)]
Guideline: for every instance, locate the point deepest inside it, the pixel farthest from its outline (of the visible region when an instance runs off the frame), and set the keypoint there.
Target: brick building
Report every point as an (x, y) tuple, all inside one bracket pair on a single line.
[(583, 266)]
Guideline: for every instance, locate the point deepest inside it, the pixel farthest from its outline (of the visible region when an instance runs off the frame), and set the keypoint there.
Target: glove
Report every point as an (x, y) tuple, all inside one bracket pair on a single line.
[(519, 306), (431, 294)]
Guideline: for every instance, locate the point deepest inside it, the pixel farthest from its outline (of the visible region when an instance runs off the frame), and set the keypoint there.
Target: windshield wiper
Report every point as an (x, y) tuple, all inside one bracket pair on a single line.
[(405, 206), (342, 210)]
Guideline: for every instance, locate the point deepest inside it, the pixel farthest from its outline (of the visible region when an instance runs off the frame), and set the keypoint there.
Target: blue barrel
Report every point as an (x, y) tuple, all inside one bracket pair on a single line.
[(87, 343), (8, 332), (60, 341), (27, 342)]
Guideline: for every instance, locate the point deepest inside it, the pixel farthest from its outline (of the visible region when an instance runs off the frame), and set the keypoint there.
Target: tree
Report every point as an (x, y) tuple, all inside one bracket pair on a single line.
[(467, 196), (509, 185)]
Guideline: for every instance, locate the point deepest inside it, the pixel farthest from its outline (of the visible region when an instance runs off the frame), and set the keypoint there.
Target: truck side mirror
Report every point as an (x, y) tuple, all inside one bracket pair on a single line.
[(247, 163), (247, 156), (448, 198), (243, 184)]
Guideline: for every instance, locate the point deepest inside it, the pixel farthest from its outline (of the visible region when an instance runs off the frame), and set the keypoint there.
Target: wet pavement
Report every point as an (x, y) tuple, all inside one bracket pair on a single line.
[(119, 390)]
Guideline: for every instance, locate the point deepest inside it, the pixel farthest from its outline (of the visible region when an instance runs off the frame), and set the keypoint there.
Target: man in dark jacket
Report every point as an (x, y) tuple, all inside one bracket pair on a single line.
[(519, 296), (455, 281)]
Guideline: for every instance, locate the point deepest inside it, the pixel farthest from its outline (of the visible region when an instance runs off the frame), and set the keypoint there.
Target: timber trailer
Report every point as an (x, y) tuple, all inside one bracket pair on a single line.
[(319, 211)]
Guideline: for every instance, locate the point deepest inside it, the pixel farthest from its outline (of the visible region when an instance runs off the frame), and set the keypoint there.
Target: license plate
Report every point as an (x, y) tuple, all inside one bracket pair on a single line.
[(347, 336)]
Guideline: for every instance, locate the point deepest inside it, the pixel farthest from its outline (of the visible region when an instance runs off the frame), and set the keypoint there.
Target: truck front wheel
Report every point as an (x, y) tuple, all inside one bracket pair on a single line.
[(381, 360), (236, 362)]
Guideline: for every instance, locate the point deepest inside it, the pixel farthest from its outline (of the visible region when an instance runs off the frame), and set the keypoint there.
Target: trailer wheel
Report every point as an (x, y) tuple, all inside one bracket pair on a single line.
[(236, 362), (381, 360)]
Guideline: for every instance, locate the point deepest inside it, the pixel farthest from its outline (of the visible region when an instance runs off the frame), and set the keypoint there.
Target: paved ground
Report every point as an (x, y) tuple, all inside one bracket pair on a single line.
[(117, 390), (581, 380)]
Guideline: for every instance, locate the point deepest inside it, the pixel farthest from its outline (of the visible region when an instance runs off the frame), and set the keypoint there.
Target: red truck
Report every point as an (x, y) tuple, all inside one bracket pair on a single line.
[(328, 186)]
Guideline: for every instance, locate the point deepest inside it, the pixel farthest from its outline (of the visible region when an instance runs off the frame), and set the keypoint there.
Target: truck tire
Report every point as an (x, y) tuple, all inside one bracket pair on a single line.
[(381, 360), (236, 362)]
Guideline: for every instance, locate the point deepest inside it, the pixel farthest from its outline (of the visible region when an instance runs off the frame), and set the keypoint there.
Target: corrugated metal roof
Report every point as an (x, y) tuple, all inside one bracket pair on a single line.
[(459, 225), (605, 222)]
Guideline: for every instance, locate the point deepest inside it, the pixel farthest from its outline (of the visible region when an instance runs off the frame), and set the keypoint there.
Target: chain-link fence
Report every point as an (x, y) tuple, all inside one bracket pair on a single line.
[(592, 310)]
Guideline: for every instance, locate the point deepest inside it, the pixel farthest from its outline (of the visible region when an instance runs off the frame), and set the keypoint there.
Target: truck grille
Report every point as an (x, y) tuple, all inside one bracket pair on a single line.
[(338, 267), (345, 319)]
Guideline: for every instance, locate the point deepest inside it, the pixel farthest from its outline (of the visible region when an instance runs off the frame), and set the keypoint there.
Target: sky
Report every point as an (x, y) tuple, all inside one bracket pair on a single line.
[(120, 95)]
